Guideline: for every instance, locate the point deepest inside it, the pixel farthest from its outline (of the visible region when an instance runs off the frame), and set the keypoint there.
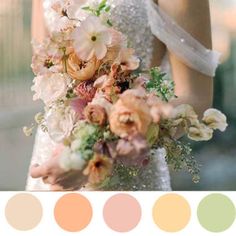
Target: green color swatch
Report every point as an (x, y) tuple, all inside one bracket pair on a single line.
[(216, 212)]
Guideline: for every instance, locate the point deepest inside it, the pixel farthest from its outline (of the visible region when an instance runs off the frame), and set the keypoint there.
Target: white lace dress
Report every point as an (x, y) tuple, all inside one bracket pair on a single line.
[(141, 21)]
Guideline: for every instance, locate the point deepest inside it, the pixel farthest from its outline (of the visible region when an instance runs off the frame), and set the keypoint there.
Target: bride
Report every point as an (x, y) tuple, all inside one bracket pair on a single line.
[(172, 34)]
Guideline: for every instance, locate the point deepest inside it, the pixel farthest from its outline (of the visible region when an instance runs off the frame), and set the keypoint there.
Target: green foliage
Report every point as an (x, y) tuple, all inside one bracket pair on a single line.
[(179, 156), (160, 84), (122, 176), (101, 8), (86, 136)]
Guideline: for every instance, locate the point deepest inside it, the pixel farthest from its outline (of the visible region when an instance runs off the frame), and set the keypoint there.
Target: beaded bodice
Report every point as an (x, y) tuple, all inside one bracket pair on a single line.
[(131, 18)]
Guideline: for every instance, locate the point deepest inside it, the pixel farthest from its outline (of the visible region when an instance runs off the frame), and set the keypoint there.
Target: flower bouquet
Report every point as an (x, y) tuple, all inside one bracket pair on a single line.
[(106, 113)]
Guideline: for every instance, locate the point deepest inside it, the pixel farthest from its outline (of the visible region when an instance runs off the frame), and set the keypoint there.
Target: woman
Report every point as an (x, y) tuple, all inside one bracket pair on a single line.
[(158, 33)]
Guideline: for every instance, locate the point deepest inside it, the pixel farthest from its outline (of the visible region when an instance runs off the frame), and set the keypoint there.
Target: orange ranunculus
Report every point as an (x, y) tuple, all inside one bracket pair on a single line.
[(81, 70)]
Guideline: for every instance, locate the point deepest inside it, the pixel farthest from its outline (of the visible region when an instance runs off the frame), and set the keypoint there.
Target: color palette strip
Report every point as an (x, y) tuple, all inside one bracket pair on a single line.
[(113, 213)]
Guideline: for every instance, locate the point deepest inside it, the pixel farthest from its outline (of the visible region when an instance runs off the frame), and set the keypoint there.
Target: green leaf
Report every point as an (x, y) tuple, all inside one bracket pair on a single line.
[(86, 8), (108, 8), (102, 4), (160, 84), (109, 23)]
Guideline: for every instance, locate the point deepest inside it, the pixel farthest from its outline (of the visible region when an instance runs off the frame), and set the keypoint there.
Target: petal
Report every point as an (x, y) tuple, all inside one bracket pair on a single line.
[(100, 50), (89, 25), (106, 37)]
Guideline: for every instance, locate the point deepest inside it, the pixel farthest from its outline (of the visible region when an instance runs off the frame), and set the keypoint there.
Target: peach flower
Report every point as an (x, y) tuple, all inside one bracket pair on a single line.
[(130, 115), (80, 70), (127, 60), (98, 168), (95, 114)]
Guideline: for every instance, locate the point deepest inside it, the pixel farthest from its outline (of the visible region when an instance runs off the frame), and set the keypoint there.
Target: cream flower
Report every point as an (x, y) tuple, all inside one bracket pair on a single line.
[(60, 123), (200, 133), (59, 20), (46, 58), (91, 39), (71, 160), (185, 111), (50, 88), (215, 119), (127, 60), (75, 11)]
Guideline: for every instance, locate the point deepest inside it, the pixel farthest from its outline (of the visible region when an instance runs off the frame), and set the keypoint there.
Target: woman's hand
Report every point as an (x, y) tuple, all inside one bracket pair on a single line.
[(59, 179)]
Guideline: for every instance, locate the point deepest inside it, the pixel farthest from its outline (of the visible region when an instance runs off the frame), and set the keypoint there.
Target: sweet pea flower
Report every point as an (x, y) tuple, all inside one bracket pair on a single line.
[(215, 119), (200, 132)]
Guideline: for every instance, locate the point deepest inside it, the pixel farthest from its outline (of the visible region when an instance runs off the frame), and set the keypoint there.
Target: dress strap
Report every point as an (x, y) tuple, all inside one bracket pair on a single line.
[(177, 40)]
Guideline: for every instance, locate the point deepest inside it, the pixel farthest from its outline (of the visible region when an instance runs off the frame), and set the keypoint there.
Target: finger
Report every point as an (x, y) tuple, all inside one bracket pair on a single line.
[(51, 179), (45, 180), (37, 171)]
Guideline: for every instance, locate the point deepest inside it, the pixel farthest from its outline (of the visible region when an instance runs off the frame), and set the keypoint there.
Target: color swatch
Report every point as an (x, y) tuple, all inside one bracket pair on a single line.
[(73, 212), (122, 213), (216, 212), (171, 213), (115, 213), (23, 211)]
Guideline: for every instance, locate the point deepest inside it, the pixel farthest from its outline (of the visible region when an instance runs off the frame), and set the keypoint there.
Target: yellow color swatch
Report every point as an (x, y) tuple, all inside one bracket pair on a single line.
[(171, 212)]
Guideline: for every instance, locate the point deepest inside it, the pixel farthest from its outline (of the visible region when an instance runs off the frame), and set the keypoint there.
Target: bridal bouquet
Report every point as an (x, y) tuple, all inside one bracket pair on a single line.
[(103, 111)]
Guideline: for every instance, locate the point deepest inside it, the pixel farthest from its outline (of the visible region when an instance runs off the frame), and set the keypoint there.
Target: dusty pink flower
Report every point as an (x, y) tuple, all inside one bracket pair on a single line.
[(132, 151), (85, 90), (78, 106), (91, 39)]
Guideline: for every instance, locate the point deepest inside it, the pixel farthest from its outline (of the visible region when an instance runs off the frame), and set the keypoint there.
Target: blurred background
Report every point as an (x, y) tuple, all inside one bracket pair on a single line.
[(217, 157)]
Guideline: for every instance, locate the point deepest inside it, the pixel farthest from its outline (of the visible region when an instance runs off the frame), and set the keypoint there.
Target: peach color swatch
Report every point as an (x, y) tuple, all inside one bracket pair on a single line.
[(73, 212)]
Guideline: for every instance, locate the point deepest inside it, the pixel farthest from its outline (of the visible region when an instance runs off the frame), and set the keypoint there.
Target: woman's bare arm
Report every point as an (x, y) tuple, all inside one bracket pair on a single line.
[(38, 25), (191, 86)]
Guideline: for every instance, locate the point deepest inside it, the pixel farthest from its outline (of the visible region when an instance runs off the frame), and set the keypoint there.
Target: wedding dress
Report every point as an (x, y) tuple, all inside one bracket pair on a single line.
[(141, 21)]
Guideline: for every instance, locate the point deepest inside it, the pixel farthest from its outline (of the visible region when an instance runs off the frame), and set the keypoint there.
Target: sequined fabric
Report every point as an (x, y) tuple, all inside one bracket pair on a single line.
[(130, 17)]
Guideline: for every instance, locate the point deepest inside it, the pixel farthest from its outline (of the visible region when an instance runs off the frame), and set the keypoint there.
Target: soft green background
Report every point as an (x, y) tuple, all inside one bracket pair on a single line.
[(218, 157)]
